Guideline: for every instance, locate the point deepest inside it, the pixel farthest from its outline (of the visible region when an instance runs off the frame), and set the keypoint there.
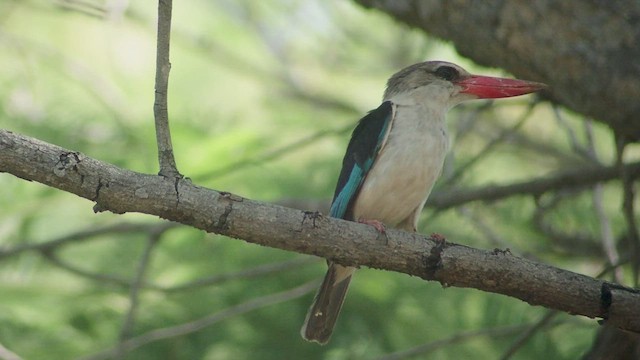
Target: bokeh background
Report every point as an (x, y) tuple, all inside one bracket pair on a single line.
[(262, 98)]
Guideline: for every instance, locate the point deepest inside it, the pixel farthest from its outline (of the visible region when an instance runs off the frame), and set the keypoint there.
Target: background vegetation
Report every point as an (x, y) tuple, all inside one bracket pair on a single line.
[(262, 99)]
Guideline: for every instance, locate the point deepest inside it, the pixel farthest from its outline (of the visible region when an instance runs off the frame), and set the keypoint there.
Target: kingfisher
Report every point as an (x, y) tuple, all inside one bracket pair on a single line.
[(395, 155)]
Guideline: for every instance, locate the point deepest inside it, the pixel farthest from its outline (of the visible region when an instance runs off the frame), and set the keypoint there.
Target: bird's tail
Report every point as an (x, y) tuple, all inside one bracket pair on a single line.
[(324, 312)]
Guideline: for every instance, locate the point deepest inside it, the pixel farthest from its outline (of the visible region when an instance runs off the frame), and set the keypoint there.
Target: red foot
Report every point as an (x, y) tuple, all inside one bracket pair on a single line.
[(375, 223), (437, 237)]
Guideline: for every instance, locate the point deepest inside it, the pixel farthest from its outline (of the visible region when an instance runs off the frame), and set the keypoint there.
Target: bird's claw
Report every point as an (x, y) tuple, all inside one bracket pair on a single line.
[(375, 223), (439, 238)]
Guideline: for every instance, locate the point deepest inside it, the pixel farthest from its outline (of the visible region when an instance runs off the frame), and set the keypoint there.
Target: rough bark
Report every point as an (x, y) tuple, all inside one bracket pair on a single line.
[(587, 51), (119, 191)]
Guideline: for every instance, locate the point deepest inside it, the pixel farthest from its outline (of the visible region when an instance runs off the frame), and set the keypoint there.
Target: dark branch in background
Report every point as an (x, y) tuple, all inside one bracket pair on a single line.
[(583, 50), (483, 228), (50, 249), (628, 210), (500, 331), (528, 333), (606, 232), (136, 286), (84, 7), (120, 191), (81, 236), (196, 325), (457, 174), (273, 154), (573, 178), (167, 161), (578, 242), (250, 273)]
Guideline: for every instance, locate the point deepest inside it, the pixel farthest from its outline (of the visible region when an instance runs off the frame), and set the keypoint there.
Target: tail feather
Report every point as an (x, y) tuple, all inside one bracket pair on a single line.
[(322, 316)]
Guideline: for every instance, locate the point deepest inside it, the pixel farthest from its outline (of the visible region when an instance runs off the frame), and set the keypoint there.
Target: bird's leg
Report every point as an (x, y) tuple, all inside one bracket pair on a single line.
[(375, 223), (439, 238), (378, 225)]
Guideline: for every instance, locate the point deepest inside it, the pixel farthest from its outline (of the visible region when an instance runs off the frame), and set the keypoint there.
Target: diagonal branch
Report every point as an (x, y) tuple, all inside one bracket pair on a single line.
[(528, 333), (134, 293), (119, 190), (195, 325)]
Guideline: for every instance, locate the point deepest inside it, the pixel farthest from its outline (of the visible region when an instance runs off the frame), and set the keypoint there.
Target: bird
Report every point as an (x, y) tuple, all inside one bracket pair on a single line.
[(393, 159)]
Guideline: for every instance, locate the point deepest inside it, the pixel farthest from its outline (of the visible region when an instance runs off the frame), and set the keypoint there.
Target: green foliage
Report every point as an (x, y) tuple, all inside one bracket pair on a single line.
[(248, 79)]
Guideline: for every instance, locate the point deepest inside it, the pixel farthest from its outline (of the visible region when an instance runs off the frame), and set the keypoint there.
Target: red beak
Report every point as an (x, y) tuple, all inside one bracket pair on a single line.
[(487, 87)]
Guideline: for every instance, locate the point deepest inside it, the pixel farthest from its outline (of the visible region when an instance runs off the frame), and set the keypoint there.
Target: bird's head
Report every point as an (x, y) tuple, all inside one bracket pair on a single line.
[(450, 84)]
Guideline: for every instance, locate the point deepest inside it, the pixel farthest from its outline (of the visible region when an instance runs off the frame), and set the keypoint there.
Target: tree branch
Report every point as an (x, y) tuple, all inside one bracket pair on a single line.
[(134, 293), (572, 178), (167, 161), (195, 325), (119, 191), (591, 44)]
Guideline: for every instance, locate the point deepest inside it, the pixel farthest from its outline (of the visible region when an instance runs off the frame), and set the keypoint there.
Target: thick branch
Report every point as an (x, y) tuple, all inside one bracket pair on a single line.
[(586, 51), (119, 190)]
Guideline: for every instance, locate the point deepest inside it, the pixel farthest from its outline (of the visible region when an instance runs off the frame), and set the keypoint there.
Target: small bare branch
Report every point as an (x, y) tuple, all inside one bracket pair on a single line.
[(528, 333), (82, 236), (606, 233), (455, 176), (136, 286), (251, 273), (167, 161), (500, 331)]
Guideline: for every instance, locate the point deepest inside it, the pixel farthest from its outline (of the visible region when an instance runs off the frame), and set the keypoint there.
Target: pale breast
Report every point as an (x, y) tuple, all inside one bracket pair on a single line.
[(404, 172)]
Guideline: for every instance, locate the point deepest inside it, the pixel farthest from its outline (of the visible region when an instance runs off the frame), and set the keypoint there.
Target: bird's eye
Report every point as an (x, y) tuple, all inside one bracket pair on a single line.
[(447, 73)]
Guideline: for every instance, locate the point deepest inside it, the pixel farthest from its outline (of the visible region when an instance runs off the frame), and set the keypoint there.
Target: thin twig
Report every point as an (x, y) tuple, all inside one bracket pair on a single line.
[(273, 154), (481, 225), (53, 258), (136, 286), (258, 271), (577, 242), (82, 236), (251, 273), (453, 178), (84, 7), (457, 338), (606, 233), (573, 138), (166, 159), (468, 118), (196, 325), (528, 333)]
